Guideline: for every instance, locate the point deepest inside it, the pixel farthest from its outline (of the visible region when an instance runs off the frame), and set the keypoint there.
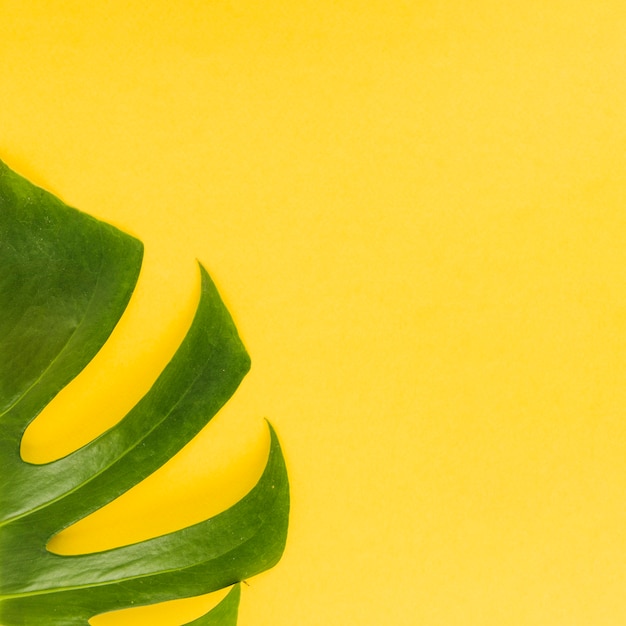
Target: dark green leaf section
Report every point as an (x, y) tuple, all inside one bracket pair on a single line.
[(224, 614), (65, 280)]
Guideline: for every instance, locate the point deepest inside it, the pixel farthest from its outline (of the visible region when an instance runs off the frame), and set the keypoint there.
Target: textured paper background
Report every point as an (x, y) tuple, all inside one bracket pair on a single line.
[(416, 213)]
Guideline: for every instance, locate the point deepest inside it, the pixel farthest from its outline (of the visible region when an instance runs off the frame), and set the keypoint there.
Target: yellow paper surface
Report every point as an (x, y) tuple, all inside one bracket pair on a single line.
[(416, 213)]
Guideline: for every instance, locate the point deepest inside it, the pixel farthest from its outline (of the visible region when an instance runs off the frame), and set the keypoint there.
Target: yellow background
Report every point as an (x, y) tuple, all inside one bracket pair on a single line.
[(416, 214)]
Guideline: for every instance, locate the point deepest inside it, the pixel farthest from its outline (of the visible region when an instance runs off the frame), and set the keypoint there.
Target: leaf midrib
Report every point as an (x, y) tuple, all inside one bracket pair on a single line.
[(129, 578)]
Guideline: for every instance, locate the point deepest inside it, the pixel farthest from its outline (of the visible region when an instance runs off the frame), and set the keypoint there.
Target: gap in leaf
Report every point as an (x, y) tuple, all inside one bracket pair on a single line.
[(124, 369), (172, 613), (213, 471)]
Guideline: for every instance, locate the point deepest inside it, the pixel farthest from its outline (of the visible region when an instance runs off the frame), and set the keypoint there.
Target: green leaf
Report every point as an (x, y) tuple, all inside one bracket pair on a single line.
[(65, 280)]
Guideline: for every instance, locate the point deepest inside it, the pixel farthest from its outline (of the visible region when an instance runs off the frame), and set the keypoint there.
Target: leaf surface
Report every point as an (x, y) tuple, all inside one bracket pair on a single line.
[(65, 280)]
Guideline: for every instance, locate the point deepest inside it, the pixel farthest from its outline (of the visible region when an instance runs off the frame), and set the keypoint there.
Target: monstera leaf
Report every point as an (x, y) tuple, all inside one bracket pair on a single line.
[(65, 280)]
